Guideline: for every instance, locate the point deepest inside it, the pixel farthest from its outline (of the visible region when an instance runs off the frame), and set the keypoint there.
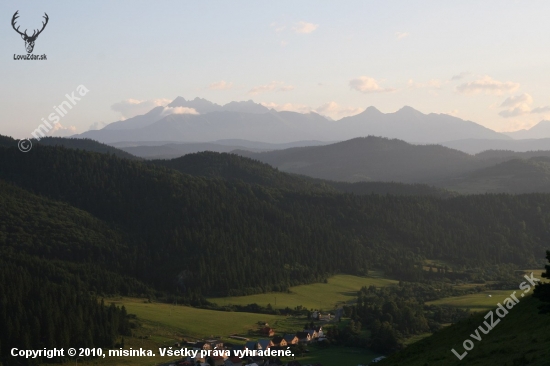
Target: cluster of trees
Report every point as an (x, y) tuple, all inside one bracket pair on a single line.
[(393, 314), (43, 306)]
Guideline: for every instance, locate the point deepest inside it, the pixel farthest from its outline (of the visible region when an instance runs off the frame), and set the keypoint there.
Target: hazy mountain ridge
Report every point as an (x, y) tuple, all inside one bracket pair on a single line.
[(252, 121), (538, 131)]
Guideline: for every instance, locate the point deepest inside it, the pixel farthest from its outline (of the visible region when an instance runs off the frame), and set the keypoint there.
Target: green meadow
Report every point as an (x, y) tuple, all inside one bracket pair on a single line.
[(339, 290)]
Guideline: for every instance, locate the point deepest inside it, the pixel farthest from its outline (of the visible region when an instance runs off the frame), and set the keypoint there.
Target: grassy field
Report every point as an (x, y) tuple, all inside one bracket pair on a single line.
[(481, 301), (475, 302), (340, 289), (200, 323)]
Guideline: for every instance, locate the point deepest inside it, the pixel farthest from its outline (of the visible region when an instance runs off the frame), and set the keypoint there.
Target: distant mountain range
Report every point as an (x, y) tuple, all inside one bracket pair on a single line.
[(200, 120), (539, 131)]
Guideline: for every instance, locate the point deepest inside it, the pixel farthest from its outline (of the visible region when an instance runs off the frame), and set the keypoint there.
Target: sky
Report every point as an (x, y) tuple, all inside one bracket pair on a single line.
[(481, 61)]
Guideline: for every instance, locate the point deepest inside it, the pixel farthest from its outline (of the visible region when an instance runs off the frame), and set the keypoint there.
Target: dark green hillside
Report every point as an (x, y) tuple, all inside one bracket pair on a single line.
[(515, 176), (85, 144), (7, 141), (35, 227), (520, 338), (54, 260), (237, 168), (371, 159), (182, 227), (392, 188)]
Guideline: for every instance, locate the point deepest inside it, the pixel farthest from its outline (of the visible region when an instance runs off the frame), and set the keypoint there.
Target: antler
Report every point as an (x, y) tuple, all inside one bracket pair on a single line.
[(43, 24), (13, 19)]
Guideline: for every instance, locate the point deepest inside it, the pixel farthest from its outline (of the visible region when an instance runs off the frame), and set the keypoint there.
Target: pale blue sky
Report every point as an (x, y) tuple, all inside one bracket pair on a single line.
[(335, 57)]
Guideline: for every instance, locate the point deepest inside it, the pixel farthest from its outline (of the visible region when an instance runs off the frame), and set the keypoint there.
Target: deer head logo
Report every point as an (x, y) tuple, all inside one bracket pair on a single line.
[(29, 40)]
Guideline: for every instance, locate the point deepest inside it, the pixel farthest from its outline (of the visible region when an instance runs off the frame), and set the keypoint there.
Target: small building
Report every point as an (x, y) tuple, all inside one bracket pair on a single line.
[(251, 345), (264, 344), (278, 341), (290, 339), (303, 337), (312, 333)]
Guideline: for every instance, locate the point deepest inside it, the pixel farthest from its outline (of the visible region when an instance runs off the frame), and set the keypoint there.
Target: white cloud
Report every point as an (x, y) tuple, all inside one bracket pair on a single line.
[(292, 107), (178, 110), (336, 111), (366, 84), (132, 107), (520, 105), (304, 27), (271, 87), (220, 85), (284, 43), (400, 35), (60, 131), (97, 125), (487, 85), (330, 109), (517, 100)]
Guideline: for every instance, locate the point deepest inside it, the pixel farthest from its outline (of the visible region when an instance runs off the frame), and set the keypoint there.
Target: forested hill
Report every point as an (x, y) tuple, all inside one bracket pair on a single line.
[(219, 237), (72, 143), (87, 145), (237, 168), (54, 257), (7, 141), (371, 159)]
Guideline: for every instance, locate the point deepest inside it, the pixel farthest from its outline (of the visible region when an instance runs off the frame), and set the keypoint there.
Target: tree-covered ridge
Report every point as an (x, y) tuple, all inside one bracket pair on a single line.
[(219, 237), (85, 144), (237, 168)]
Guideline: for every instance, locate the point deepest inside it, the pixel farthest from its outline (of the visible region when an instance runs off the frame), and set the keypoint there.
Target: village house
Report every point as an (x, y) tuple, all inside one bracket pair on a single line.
[(312, 333), (290, 339), (278, 341), (303, 337), (264, 344), (251, 345)]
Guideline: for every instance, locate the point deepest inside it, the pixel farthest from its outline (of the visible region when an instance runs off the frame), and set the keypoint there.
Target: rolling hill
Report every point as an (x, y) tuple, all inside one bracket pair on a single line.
[(372, 159)]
